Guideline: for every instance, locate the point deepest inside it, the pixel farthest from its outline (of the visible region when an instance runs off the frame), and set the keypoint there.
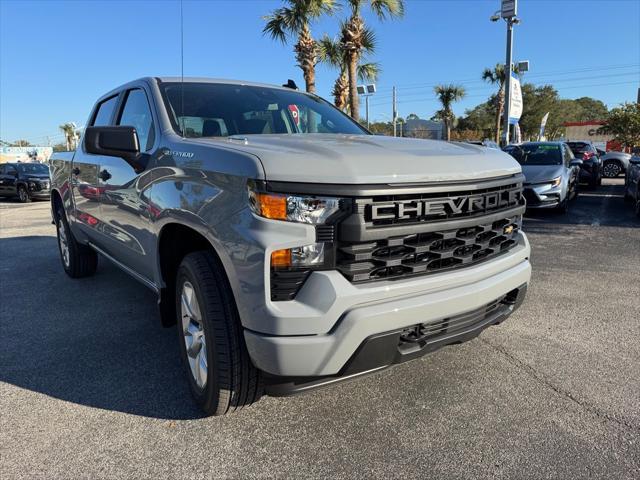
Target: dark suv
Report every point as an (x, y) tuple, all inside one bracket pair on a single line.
[(591, 169), (25, 181)]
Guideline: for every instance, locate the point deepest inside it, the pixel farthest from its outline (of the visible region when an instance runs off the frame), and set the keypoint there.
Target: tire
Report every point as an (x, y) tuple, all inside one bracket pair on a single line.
[(611, 169), (211, 326), (563, 208), (23, 194), (77, 260)]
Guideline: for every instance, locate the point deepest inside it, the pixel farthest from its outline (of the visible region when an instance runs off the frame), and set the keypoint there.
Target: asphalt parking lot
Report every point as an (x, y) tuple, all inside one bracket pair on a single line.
[(91, 385)]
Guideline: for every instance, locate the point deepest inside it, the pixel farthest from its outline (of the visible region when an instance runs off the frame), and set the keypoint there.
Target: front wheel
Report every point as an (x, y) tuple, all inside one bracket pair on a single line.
[(221, 375), (77, 260), (23, 195)]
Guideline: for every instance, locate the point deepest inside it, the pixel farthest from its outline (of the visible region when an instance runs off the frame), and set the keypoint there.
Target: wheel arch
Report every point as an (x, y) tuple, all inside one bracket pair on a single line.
[(176, 240), (56, 199)]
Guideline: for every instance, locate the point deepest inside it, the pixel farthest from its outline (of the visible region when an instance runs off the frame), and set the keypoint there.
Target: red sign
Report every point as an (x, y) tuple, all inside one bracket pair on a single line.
[(295, 113)]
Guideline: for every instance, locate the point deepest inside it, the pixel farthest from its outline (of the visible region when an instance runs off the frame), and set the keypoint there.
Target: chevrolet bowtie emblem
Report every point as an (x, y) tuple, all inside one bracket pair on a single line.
[(508, 229)]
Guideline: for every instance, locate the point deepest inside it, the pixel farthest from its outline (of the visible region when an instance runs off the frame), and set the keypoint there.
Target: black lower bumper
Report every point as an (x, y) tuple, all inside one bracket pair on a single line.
[(390, 348)]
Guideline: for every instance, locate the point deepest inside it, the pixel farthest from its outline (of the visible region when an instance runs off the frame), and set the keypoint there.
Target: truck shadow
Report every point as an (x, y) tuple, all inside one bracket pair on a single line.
[(95, 342)]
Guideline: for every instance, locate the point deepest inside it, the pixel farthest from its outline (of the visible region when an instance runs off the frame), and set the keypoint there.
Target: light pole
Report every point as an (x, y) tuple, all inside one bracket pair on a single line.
[(366, 91), (508, 11)]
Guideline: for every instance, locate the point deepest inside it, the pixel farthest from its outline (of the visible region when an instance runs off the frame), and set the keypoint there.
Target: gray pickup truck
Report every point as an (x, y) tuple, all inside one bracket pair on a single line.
[(291, 247)]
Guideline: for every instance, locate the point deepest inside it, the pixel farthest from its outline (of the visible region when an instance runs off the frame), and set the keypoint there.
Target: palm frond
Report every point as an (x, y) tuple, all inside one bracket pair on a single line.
[(387, 8), (329, 51), (369, 72), (368, 40)]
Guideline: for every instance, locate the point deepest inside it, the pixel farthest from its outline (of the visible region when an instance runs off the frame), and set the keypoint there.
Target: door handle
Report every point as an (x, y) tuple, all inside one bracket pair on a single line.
[(104, 175), (76, 171)]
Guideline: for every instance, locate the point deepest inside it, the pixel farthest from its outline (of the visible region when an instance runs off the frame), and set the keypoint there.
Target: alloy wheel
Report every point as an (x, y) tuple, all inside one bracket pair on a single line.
[(193, 334), (23, 195), (611, 170), (64, 243)]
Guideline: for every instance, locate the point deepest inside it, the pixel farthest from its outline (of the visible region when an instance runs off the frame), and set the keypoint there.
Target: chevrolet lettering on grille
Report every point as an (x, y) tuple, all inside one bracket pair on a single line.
[(468, 204)]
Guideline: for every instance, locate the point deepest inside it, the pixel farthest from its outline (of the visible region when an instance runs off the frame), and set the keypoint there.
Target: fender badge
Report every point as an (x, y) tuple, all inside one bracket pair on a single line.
[(176, 153)]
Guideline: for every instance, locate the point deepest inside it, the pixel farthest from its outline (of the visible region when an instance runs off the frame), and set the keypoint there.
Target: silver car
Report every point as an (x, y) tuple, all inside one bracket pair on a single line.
[(551, 173), (614, 163)]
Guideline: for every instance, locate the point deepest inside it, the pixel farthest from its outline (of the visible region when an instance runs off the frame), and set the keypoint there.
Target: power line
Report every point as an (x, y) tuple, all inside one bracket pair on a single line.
[(525, 80), (433, 98), (529, 75)]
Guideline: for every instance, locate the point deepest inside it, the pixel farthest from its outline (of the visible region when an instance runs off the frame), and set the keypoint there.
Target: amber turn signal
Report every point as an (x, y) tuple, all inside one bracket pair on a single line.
[(272, 206), (281, 258)]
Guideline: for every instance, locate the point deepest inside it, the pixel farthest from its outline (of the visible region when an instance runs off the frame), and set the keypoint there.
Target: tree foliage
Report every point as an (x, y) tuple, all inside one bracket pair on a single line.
[(447, 95), (294, 19), (332, 53), (21, 143), (624, 124), (352, 38), (537, 101)]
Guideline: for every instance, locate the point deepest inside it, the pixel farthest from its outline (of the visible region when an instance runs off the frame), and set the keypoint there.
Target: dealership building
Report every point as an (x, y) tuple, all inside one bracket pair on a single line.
[(25, 154), (590, 131)]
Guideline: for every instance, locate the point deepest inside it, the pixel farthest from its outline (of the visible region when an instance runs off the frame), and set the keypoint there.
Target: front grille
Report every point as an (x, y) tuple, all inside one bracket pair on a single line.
[(383, 210), (423, 253)]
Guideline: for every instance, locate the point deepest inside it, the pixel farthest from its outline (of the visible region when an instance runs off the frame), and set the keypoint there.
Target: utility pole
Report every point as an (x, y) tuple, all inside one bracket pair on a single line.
[(394, 114), (366, 91), (508, 11), (507, 83), (366, 102)]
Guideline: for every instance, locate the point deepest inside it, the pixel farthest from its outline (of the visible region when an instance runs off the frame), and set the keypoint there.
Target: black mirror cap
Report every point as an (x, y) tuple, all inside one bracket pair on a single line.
[(576, 163), (120, 141)]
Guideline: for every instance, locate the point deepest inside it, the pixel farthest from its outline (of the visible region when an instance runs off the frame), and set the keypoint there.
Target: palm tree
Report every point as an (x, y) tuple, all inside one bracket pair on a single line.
[(447, 95), (69, 130), (352, 39), (295, 19), (497, 76), (331, 52)]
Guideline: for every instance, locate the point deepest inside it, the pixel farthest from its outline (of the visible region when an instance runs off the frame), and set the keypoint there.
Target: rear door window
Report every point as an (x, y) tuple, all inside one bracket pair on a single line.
[(104, 114)]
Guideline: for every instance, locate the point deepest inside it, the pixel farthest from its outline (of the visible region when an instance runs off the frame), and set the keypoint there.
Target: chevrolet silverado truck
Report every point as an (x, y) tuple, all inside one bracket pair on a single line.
[(291, 247)]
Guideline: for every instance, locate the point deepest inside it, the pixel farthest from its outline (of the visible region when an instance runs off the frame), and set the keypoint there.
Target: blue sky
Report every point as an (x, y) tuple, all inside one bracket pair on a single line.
[(57, 57)]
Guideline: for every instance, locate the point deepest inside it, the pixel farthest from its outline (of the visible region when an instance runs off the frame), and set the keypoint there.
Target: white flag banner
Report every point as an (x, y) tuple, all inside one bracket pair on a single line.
[(515, 97), (543, 124)]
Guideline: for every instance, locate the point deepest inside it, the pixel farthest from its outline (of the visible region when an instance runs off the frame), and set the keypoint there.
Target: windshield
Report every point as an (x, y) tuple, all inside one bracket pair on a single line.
[(219, 110), (34, 168), (536, 154)]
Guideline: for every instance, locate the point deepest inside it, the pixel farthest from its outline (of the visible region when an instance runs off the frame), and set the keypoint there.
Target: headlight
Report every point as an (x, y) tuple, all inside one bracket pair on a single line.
[(306, 256), (293, 208), (556, 181)]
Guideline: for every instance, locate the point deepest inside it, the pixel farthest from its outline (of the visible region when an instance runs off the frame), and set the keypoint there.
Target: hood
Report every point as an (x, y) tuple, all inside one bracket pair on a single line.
[(541, 173), (370, 159)]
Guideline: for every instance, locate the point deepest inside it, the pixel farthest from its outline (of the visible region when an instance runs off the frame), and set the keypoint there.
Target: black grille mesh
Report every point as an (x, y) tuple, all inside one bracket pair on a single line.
[(423, 253)]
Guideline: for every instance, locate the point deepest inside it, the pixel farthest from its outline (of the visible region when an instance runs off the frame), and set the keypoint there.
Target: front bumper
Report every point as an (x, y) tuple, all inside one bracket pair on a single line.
[(371, 310), (401, 345), (542, 196)]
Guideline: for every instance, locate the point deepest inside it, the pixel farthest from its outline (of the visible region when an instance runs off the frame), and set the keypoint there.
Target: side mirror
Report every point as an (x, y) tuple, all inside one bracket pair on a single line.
[(121, 141), (576, 163)]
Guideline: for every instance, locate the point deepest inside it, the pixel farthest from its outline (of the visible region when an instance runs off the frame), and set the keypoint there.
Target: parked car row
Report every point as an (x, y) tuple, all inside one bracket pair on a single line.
[(551, 171), (554, 170)]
